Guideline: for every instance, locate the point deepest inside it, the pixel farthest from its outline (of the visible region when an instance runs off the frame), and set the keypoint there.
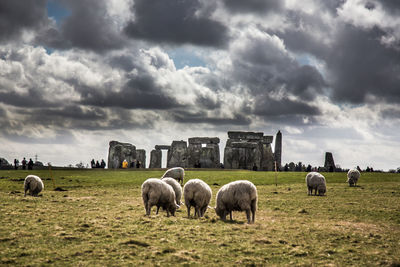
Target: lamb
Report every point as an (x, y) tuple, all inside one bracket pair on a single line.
[(197, 194), (239, 195), (156, 192), (352, 177), (177, 173), (177, 188), (316, 181), (34, 184)]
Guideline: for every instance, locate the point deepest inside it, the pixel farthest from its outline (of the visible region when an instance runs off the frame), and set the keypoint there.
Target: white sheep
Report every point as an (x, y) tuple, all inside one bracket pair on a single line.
[(156, 192), (34, 184), (352, 177), (177, 188), (240, 195), (177, 173), (197, 194), (316, 181)]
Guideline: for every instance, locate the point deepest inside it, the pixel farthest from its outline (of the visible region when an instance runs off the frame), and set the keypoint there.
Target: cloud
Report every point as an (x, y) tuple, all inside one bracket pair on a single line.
[(18, 16), (253, 6), (176, 22)]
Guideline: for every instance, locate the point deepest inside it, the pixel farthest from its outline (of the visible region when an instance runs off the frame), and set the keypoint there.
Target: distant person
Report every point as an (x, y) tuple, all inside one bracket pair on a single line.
[(16, 163), (92, 164), (97, 164), (103, 164), (30, 164), (24, 164), (133, 163), (255, 167), (138, 164), (124, 164)]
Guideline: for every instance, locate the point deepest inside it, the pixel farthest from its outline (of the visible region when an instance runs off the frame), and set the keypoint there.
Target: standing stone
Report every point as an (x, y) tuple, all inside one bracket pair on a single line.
[(278, 150), (177, 154), (141, 156), (155, 158), (118, 152), (329, 163), (203, 157)]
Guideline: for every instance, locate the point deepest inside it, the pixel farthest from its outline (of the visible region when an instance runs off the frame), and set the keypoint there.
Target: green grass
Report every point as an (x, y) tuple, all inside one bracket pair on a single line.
[(99, 221)]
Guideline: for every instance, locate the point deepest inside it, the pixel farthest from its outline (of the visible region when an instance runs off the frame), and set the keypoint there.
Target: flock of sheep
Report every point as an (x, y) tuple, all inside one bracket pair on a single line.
[(166, 193)]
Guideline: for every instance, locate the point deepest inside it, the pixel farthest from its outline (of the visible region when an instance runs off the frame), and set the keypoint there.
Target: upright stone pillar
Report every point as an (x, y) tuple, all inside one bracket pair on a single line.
[(177, 155), (141, 157), (118, 152), (329, 163), (155, 158), (278, 150)]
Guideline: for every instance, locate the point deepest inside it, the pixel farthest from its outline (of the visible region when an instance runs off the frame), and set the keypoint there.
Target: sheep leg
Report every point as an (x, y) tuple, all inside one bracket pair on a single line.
[(188, 209), (253, 209), (158, 207), (230, 215), (198, 212), (148, 209), (248, 215)]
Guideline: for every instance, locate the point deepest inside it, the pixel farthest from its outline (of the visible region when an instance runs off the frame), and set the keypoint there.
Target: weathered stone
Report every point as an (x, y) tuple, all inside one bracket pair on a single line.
[(141, 157), (267, 161), (278, 150), (162, 147), (155, 158), (329, 162), (177, 155), (267, 139), (203, 140), (245, 135), (4, 165), (244, 144), (118, 152)]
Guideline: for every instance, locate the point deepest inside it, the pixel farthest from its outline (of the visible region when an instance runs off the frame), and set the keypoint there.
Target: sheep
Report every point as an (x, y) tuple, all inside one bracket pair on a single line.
[(239, 195), (177, 173), (156, 192), (197, 194), (34, 184), (352, 177), (316, 181), (177, 188)]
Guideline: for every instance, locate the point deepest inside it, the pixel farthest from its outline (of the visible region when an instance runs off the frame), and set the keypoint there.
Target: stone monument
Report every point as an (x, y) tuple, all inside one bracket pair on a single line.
[(156, 156), (177, 155), (118, 152), (203, 152), (329, 163), (141, 157), (278, 150)]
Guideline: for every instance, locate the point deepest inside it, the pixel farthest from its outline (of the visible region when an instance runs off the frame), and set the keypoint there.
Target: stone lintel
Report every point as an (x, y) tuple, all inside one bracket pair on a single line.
[(204, 140), (267, 139), (245, 135), (158, 147)]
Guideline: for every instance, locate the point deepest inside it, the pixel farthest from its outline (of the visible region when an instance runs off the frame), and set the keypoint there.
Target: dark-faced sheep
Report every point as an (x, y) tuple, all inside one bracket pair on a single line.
[(237, 196), (176, 186), (177, 173), (197, 194), (352, 177), (33, 184), (156, 192), (316, 181)]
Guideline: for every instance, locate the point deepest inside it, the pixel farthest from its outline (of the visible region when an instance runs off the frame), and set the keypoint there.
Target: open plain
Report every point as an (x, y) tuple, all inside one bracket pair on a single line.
[(97, 218)]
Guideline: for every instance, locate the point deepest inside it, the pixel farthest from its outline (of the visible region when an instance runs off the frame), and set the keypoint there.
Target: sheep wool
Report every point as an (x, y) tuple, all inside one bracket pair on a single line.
[(197, 194), (177, 188), (177, 173), (237, 196), (352, 177), (33, 184), (156, 192), (316, 181)]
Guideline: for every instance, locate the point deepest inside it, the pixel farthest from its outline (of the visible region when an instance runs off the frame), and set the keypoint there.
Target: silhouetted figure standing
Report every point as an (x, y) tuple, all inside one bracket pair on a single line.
[(97, 164), (138, 164), (16, 163), (24, 164), (30, 164), (92, 164), (103, 164)]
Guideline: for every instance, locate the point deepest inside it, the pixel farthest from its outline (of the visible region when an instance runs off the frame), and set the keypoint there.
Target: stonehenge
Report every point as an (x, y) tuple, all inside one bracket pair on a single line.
[(243, 150), (329, 162)]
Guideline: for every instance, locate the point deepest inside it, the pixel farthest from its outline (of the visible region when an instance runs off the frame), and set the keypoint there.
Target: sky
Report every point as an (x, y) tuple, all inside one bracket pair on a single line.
[(76, 74)]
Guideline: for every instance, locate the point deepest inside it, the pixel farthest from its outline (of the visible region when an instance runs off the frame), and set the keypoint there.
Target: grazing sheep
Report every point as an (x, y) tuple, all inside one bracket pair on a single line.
[(316, 181), (156, 192), (34, 184), (177, 188), (197, 194), (177, 173), (352, 177), (237, 196)]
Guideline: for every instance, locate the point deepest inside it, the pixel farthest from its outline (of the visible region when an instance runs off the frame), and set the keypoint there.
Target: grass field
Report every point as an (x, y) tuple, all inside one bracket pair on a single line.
[(99, 221)]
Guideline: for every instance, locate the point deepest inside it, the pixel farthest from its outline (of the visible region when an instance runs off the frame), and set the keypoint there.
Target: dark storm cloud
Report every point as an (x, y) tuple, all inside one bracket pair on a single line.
[(183, 116), (391, 6), (267, 107), (139, 92), (33, 99), (254, 6), (207, 102), (88, 27), (360, 66), (16, 16), (175, 21)]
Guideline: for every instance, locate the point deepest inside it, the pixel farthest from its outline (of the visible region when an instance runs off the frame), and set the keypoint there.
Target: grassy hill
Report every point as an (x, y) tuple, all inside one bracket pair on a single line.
[(99, 220)]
